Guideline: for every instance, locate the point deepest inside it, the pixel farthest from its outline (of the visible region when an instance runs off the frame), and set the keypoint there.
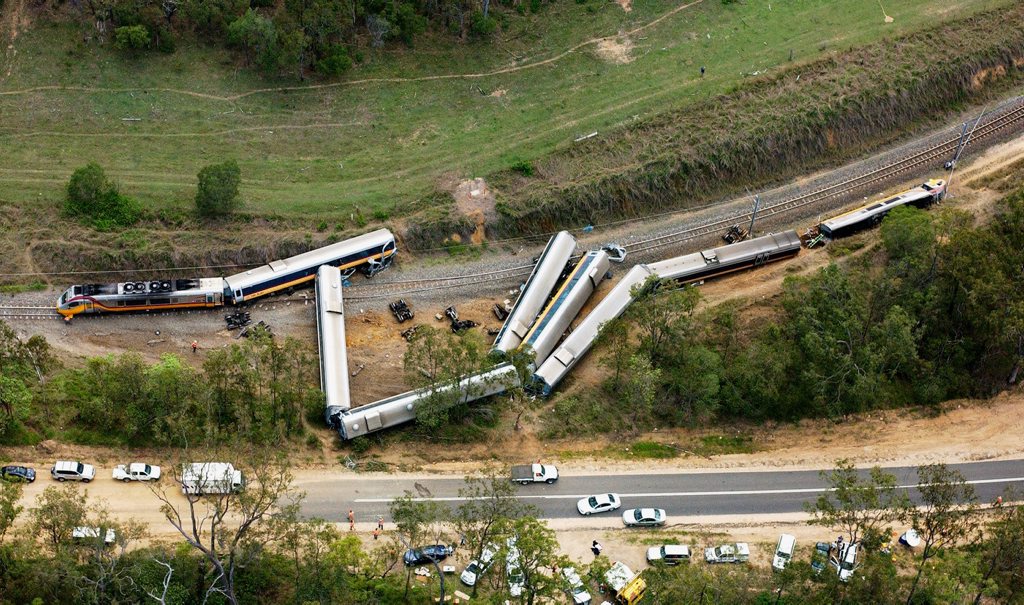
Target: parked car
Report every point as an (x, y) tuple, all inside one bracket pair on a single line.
[(576, 589), (18, 474), (669, 554), (136, 471), (70, 470), (477, 567), (92, 533), (819, 559), (846, 563), (427, 554), (599, 503), (783, 552), (643, 517), (728, 553)]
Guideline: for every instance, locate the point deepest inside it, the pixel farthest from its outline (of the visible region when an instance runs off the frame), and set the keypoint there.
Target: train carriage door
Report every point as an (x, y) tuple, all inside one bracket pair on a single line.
[(760, 259)]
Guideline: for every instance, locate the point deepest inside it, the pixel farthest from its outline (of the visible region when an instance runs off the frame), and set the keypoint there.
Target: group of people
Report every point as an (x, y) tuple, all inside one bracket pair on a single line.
[(376, 531)]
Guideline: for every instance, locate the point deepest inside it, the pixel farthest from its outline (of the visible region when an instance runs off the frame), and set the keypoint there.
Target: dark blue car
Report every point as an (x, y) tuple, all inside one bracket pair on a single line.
[(17, 474), (427, 554)]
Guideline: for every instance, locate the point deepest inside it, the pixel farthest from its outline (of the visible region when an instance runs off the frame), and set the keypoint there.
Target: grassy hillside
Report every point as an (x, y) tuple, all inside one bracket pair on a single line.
[(405, 122)]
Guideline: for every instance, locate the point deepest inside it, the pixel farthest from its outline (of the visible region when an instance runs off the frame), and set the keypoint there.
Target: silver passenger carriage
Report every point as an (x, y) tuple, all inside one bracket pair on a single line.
[(369, 253), (924, 195)]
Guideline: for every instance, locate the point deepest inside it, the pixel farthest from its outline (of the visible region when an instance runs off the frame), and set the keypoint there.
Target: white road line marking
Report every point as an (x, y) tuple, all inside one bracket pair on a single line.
[(756, 492)]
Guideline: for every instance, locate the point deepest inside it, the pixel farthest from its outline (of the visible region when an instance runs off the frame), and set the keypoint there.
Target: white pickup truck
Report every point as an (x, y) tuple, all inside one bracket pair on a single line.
[(211, 478), (136, 471), (534, 473)]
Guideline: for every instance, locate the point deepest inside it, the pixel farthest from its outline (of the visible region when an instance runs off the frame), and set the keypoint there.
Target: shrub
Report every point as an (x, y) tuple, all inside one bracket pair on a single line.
[(481, 26), (90, 194), (523, 167), (131, 38), (335, 62), (381, 215), (217, 194)]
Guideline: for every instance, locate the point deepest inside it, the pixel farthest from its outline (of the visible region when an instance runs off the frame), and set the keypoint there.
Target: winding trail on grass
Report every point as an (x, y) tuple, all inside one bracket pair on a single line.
[(51, 133), (236, 97)]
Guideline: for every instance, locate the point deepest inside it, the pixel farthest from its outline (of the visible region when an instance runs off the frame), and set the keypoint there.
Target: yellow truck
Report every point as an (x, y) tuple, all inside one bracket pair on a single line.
[(629, 588)]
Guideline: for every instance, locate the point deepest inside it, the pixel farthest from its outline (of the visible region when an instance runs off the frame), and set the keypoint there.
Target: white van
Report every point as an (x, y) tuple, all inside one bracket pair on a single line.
[(783, 552)]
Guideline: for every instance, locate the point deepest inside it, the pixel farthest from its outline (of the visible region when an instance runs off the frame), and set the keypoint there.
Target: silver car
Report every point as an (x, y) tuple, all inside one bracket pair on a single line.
[(643, 517)]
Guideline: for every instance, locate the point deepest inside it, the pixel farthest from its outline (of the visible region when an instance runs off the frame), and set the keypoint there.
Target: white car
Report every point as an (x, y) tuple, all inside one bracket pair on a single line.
[(728, 553), (477, 567), (669, 554), (599, 503), (846, 564), (577, 590), (784, 552), (91, 533), (643, 517), (136, 471), (516, 580)]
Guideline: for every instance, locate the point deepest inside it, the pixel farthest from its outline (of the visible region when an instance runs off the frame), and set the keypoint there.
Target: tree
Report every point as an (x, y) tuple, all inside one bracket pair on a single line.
[(1002, 553), (131, 38), (532, 549), (489, 501), (57, 512), (440, 360), (230, 530), (217, 194), (662, 317), (10, 494), (640, 388), (15, 403), (413, 518), (946, 514), (90, 194), (860, 507)]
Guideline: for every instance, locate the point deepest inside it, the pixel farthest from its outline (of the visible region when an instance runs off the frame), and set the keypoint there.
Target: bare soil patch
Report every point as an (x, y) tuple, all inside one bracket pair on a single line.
[(474, 199), (615, 50)]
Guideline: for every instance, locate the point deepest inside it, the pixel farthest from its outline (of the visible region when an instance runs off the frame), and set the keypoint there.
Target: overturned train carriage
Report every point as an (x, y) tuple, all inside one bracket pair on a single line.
[(685, 269), (330, 334), (538, 287), (401, 408)]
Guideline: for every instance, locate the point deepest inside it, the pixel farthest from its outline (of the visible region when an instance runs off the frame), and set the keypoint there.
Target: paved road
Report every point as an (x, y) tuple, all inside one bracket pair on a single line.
[(681, 495)]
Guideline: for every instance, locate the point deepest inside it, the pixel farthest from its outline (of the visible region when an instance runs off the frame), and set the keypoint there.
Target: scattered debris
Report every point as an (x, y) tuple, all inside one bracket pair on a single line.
[(499, 312), (734, 234), (262, 326), (154, 341), (616, 253), (400, 309), (461, 326), (451, 314), (410, 333), (238, 319), (358, 369)]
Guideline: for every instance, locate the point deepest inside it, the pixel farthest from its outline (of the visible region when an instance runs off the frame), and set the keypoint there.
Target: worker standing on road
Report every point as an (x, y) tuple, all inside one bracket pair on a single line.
[(380, 522), (351, 520), (195, 345)]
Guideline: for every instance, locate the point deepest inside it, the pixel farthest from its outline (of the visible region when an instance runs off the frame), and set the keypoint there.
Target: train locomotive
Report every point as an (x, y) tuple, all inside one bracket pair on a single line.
[(369, 253)]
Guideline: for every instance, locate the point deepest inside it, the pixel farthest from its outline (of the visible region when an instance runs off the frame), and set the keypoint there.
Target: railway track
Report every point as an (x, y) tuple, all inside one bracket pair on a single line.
[(27, 312), (939, 151)]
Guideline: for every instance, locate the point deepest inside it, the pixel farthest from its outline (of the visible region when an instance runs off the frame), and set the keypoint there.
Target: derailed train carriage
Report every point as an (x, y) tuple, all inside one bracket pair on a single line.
[(369, 253), (923, 195), (685, 269)]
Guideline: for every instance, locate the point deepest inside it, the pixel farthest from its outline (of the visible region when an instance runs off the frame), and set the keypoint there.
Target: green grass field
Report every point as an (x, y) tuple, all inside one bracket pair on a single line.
[(375, 143)]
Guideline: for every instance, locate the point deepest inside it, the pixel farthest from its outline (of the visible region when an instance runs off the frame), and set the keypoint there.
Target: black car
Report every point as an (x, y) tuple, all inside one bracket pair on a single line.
[(427, 554), (18, 474)]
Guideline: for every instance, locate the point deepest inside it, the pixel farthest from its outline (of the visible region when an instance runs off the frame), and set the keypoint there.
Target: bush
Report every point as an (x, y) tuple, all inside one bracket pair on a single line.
[(335, 62), (131, 38), (217, 194), (90, 194), (523, 167), (481, 26)]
